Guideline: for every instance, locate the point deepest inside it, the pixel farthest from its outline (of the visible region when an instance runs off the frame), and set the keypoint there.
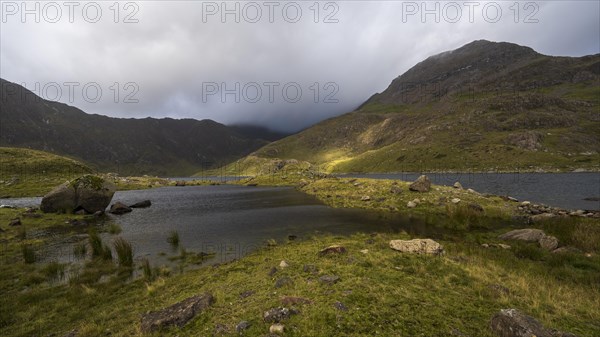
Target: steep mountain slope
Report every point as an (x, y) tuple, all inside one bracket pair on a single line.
[(485, 106), (130, 146)]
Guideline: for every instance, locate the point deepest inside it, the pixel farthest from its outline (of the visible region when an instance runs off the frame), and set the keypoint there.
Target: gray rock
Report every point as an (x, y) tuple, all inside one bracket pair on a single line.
[(276, 315), (15, 222), (142, 204), (526, 234), (283, 281), (417, 246), (548, 242), (276, 328), (332, 250), (457, 185), (365, 198), (329, 279), (243, 325), (422, 184), (272, 271), (310, 268), (340, 306), (513, 323), (294, 300), (119, 208), (90, 193), (176, 315), (541, 216), (395, 189)]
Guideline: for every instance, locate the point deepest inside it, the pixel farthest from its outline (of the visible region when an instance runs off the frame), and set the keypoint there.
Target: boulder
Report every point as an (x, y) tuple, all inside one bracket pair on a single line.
[(548, 242), (119, 208), (335, 249), (513, 323), (142, 204), (417, 246), (178, 314), (527, 234), (15, 222), (422, 184), (276, 315), (89, 193)]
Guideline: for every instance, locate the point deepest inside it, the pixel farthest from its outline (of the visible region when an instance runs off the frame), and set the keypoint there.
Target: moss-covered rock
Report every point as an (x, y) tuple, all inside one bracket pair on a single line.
[(89, 193)]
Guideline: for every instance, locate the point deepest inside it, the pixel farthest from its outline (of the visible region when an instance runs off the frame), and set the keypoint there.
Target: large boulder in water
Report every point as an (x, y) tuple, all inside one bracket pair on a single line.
[(89, 193)]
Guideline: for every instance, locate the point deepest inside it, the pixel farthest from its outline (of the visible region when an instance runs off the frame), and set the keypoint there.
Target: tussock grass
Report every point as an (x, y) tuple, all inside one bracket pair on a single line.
[(114, 228), (173, 238), (124, 252), (28, 253)]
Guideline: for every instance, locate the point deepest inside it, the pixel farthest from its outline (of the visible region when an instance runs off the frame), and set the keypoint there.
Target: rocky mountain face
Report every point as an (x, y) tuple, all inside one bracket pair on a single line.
[(484, 106), (127, 146)]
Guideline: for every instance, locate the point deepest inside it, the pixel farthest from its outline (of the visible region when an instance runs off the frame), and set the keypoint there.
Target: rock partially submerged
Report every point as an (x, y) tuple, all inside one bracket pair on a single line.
[(422, 184), (513, 323), (417, 246), (141, 204), (119, 208), (176, 315), (89, 193)]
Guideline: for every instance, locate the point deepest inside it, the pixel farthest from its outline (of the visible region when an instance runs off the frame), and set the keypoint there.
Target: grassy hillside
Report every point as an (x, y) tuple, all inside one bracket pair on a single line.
[(379, 291), (485, 106), (25, 172)]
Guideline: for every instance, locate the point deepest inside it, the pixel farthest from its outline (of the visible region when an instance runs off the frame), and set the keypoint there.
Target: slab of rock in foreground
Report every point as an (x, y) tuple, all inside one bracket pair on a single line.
[(417, 246), (513, 323), (422, 184), (178, 314), (547, 242)]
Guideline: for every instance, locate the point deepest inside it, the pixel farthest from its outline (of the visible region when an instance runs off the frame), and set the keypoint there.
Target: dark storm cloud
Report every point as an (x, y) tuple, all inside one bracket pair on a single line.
[(176, 53)]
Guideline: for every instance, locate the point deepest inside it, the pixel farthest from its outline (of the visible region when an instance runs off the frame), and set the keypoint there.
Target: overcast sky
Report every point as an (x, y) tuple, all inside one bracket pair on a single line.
[(174, 59)]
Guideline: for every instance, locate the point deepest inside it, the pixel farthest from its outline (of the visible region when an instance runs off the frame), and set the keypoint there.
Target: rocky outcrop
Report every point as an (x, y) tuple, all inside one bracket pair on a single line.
[(422, 184), (88, 193), (176, 315), (417, 246), (513, 323), (547, 242)]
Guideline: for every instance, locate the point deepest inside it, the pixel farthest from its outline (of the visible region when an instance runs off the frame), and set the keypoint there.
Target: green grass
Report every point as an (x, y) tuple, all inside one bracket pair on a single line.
[(124, 252), (114, 228)]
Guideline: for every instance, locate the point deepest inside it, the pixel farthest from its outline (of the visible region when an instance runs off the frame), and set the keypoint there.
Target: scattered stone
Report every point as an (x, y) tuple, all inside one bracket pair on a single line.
[(283, 264), (422, 184), (340, 306), (513, 323), (411, 204), (247, 293), (329, 279), (541, 217), (15, 222), (276, 328), (525, 203), (548, 242), (527, 234), (457, 185), (180, 183), (310, 268), (283, 281), (293, 300), (142, 204), (512, 199), (7, 206), (501, 245), (241, 326), (292, 237), (365, 198), (470, 190), (90, 193), (455, 200), (499, 289), (220, 329), (417, 246), (567, 249), (276, 315), (364, 251), (335, 249), (178, 314), (395, 189), (485, 245), (119, 208)]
